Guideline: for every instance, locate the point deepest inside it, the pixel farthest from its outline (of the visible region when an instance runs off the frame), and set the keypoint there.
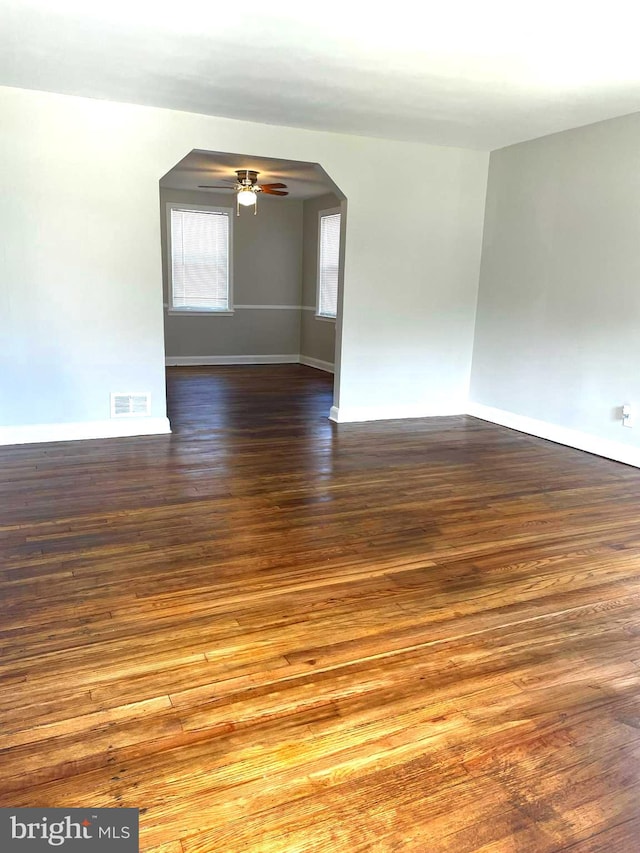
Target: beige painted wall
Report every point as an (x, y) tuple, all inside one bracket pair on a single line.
[(317, 335), (267, 270), (557, 334), (81, 279)]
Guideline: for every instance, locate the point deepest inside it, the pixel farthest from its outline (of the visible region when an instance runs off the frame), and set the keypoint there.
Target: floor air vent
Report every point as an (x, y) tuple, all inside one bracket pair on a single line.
[(130, 405)]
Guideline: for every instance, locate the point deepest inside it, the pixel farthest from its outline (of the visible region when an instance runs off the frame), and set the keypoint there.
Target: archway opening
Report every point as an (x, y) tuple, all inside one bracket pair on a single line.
[(254, 285)]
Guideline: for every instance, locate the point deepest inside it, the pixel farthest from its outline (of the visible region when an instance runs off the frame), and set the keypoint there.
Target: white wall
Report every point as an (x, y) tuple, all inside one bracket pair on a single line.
[(81, 300), (80, 307), (267, 270), (557, 339), (411, 278)]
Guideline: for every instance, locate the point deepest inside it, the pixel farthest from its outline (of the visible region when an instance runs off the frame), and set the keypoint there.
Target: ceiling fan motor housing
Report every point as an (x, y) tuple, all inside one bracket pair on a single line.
[(247, 177)]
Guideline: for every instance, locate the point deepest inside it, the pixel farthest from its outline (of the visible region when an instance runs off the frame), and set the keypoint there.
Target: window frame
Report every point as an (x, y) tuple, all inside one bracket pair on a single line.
[(185, 310), (331, 211)]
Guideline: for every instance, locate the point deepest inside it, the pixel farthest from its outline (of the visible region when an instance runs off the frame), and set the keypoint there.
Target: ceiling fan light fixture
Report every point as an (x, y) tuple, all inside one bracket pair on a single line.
[(247, 196)]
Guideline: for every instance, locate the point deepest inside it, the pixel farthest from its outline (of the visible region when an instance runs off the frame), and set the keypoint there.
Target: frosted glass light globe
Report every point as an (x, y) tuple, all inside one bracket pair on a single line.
[(246, 197)]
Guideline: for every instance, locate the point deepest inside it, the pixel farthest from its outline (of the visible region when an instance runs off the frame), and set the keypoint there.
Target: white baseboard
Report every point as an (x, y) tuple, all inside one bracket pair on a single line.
[(356, 414), (316, 362), (115, 428), (561, 435), (125, 427), (204, 360), (211, 360)]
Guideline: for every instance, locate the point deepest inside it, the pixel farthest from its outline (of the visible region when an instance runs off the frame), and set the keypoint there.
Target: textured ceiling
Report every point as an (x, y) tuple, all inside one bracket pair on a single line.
[(460, 72), (303, 180)]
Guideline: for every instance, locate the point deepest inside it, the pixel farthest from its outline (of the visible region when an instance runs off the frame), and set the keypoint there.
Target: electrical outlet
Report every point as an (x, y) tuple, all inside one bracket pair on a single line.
[(628, 415)]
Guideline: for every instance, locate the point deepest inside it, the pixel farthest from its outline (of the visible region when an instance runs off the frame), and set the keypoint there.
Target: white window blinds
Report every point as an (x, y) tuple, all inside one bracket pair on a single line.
[(199, 259), (329, 255)]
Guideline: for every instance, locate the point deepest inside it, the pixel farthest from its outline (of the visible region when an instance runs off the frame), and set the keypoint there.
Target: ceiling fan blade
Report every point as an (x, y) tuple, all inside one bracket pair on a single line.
[(269, 191), (209, 187), (274, 186)]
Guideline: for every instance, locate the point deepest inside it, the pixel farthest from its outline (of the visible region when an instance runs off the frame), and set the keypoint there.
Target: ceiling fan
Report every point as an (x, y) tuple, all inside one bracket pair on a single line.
[(247, 188)]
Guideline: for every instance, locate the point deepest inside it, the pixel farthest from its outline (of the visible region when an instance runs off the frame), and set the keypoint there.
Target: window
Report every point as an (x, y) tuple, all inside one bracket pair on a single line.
[(199, 258), (328, 263)]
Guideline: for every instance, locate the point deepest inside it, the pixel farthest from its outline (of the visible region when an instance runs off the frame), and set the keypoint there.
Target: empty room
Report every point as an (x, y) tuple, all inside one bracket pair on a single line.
[(319, 427)]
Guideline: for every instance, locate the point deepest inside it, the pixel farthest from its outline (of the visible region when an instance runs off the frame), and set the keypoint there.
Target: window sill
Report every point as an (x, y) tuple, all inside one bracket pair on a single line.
[(197, 312), (325, 318)]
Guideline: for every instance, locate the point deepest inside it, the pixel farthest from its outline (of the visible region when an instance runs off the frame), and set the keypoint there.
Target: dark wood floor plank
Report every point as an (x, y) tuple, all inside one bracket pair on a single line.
[(621, 836), (273, 634)]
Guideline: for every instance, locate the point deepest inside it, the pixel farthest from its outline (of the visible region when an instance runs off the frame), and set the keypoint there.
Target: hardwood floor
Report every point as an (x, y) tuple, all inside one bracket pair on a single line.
[(273, 634)]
